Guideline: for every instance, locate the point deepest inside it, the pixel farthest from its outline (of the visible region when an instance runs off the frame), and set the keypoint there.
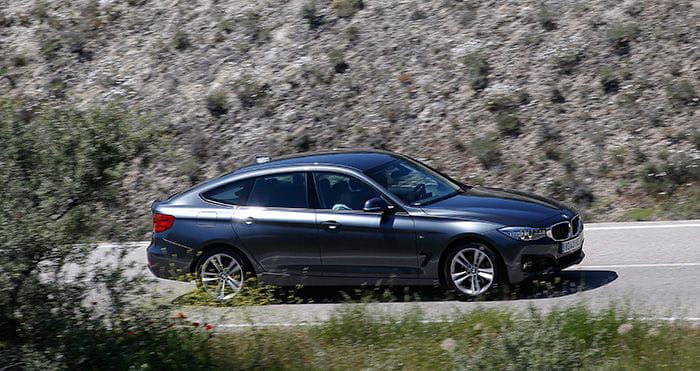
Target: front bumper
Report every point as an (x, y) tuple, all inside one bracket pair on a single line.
[(527, 261), (534, 265)]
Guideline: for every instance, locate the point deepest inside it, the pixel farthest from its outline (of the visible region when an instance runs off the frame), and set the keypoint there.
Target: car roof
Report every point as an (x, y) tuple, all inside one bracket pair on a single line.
[(358, 159)]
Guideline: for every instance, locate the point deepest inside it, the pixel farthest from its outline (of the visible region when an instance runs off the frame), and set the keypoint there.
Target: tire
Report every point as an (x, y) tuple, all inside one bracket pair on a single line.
[(467, 279), (222, 272)]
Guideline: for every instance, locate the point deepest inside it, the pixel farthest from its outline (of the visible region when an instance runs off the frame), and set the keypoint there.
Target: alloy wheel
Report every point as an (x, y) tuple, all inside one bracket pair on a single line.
[(472, 271), (221, 275)]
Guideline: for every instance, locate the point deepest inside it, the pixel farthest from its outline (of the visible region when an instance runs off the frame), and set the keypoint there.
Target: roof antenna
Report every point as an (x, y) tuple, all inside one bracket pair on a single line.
[(262, 159)]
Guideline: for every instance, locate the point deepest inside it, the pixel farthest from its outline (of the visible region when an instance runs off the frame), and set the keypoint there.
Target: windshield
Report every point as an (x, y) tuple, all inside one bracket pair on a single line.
[(413, 182)]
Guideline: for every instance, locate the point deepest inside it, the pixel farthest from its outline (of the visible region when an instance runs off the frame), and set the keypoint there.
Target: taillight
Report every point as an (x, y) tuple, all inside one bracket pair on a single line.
[(162, 222)]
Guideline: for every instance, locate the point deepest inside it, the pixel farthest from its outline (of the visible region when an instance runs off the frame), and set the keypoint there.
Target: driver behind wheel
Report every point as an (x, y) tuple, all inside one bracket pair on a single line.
[(341, 196)]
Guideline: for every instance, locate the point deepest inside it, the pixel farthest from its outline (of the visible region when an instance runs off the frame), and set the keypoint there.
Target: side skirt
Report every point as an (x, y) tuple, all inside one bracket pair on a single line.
[(289, 280)]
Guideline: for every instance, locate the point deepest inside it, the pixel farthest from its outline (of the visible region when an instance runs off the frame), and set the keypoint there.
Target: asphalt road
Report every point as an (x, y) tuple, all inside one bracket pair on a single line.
[(654, 267)]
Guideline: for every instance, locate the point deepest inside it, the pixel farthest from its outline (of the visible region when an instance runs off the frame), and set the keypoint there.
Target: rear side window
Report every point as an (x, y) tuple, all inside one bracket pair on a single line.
[(235, 193), (280, 190)]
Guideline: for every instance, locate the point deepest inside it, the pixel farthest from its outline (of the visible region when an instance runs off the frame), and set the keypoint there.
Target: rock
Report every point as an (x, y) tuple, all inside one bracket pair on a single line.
[(448, 345), (625, 328)]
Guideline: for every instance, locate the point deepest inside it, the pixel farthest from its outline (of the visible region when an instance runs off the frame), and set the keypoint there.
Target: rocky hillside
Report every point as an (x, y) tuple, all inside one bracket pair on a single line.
[(592, 102)]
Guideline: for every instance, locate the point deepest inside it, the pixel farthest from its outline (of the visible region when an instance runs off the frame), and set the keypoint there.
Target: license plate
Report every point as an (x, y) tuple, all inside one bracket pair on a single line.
[(572, 245)]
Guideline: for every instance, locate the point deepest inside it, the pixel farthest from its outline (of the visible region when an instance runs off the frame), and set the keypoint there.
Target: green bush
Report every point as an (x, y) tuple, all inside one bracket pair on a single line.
[(567, 59), (337, 58), (216, 104), (487, 150), (181, 41), (547, 19), (682, 93), (19, 61), (556, 96), (347, 8), (310, 14), (508, 123), (251, 93), (667, 177), (621, 35), (502, 102), (609, 80), (478, 70), (352, 33)]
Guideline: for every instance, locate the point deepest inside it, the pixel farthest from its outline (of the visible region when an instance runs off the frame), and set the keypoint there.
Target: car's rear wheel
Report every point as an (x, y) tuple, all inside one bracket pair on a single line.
[(221, 273), (471, 269)]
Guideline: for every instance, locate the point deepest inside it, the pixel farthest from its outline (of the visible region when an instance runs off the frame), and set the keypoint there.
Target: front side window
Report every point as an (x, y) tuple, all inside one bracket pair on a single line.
[(280, 190), (234, 193), (342, 192), (412, 182)]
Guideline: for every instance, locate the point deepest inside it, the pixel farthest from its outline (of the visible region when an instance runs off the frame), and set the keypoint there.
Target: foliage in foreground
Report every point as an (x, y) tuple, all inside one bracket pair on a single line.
[(59, 167), (492, 339)]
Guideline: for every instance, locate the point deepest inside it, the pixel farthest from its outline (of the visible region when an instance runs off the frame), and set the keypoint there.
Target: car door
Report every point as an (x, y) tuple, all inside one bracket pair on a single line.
[(355, 243), (278, 227)]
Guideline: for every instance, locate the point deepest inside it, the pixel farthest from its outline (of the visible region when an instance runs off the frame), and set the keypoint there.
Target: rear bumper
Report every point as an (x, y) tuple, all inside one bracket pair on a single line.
[(163, 263)]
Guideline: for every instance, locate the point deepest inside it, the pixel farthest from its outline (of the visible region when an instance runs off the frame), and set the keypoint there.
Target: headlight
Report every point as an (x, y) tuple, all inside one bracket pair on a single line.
[(524, 233)]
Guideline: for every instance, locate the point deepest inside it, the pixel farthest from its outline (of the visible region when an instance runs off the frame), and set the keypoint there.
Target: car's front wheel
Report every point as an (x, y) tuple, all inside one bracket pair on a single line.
[(221, 273), (471, 269)]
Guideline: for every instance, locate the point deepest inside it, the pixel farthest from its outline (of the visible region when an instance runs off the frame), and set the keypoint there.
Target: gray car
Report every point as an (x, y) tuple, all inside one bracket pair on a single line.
[(344, 218)]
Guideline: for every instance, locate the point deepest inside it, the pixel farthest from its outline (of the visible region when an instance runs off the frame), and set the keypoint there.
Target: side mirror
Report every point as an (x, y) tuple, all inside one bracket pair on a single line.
[(377, 204)]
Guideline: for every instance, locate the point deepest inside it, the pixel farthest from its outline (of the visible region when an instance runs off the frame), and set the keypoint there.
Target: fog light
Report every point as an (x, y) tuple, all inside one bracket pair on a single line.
[(527, 265)]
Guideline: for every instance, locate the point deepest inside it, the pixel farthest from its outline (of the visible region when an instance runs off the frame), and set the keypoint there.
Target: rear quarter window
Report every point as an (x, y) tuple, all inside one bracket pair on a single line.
[(235, 193)]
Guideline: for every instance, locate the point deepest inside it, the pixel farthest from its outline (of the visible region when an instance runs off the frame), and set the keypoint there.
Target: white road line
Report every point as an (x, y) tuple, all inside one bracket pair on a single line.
[(253, 325), (659, 265), (313, 323), (303, 324), (594, 228)]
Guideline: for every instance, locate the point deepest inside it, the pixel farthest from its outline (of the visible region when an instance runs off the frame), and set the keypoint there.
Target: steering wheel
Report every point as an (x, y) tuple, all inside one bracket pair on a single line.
[(419, 191)]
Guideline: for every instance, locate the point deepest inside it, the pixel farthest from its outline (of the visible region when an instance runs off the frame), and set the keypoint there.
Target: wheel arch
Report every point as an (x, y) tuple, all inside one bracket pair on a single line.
[(218, 244)]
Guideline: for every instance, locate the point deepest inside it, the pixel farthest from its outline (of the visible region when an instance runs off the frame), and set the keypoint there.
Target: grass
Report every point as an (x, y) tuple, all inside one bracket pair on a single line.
[(565, 338), (640, 214), (253, 293), (49, 48)]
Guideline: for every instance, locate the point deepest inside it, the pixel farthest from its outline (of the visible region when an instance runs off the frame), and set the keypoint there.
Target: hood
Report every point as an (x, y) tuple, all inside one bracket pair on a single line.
[(500, 206)]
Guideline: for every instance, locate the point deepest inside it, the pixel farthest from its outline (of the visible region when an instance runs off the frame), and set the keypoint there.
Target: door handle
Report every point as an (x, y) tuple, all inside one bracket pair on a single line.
[(249, 220), (331, 224)]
